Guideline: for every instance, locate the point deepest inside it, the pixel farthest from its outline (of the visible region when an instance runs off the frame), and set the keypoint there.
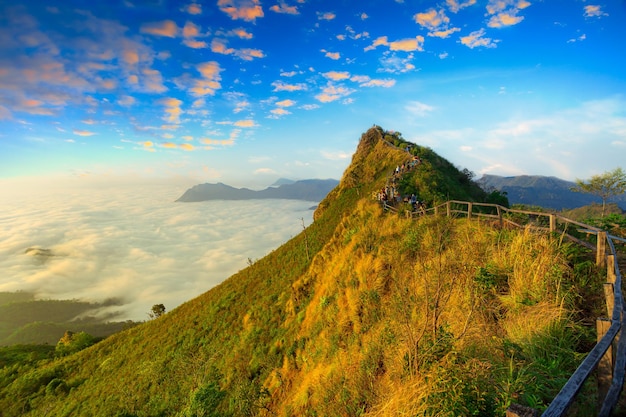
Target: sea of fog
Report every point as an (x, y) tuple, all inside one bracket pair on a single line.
[(136, 245)]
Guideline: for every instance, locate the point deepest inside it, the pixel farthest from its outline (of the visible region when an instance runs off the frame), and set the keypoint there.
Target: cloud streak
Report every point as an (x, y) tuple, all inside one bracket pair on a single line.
[(165, 28), (405, 45), (248, 10), (83, 132), (594, 11), (282, 7), (478, 39)]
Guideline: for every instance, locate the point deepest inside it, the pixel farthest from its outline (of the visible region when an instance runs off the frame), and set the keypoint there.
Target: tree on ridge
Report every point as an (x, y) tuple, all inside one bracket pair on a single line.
[(157, 311), (607, 185)]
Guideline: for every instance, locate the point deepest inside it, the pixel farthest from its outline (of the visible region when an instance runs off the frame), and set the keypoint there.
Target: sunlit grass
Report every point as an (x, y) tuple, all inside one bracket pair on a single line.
[(369, 314)]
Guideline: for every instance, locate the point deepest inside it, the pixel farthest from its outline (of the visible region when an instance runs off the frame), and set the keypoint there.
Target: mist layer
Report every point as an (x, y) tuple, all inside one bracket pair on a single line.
[(136, 245)]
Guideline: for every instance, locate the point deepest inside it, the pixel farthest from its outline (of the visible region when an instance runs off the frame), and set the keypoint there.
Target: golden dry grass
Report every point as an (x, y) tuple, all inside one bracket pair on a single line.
[(395, 309)]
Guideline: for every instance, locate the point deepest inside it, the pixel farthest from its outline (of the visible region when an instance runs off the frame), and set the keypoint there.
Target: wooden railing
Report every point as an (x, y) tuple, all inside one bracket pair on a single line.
[(611, 367)]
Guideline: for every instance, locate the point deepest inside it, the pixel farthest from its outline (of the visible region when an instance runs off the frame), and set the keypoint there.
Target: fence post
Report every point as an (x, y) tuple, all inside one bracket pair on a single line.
[(609, 296), (469, 210), (605, 366), (610, 269), (448, 208), (552, 223), (500, 216), (601, 249)]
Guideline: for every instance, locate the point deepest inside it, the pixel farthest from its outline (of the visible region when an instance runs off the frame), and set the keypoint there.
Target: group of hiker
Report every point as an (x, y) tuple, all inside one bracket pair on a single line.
[(389, 194)]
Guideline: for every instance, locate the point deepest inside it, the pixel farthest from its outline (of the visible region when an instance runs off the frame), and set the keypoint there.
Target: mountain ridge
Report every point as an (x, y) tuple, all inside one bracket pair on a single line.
[(545, 191), (308, 190)]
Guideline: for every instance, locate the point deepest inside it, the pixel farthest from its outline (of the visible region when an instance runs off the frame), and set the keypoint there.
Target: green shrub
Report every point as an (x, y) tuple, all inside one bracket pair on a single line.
[(207, 402), (73, 342)]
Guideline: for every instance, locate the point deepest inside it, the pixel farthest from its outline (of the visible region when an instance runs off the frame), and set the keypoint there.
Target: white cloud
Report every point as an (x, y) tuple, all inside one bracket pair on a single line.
[(326, 16), (80, 132), (456, 5), (572, 143), (418, 109), (578, 39), (594, 11), (336, 155), (264, 171), (126, 101), (436, 22), (387, 83), (333, 92), (392, 63), (135, 244), (281, 86), (478, 38)]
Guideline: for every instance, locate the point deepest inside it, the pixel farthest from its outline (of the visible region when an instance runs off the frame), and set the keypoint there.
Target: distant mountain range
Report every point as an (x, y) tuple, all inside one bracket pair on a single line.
[(307, 190), (548, 192)]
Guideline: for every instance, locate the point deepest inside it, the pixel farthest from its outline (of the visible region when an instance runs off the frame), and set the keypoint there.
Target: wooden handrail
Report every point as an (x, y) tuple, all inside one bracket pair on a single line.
[(617, 383), (566, 396)]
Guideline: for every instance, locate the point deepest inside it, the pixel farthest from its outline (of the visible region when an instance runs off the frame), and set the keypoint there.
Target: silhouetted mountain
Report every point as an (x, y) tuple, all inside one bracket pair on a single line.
[(308, 190), (548, 192)]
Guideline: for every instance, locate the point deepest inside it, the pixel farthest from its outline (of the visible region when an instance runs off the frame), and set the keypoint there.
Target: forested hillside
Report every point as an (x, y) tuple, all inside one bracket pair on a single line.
[(26, 320), (365, 313)]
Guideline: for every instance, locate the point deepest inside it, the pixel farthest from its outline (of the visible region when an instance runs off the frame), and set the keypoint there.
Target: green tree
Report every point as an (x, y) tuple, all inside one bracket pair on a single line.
[(157, 311), (605, 186), (73, 342), (498, 197)]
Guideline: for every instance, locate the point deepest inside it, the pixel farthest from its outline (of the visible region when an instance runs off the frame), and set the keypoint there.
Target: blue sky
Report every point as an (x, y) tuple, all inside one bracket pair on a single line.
[(246, 91)]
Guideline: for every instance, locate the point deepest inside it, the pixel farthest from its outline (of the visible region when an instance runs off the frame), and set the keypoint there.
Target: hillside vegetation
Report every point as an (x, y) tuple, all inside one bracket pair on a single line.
[(24, 319), (365, 313)]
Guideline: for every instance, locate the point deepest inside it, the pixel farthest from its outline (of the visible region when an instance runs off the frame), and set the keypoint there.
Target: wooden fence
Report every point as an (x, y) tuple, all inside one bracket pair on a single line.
[(608, 356)]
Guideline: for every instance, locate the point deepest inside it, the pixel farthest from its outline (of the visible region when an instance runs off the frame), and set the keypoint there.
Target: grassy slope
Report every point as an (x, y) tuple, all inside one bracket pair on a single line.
[(362, 313)]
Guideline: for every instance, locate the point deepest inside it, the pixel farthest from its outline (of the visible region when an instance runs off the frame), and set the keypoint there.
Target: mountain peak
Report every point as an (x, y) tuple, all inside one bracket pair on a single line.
[(282, 181), (337, 320)]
